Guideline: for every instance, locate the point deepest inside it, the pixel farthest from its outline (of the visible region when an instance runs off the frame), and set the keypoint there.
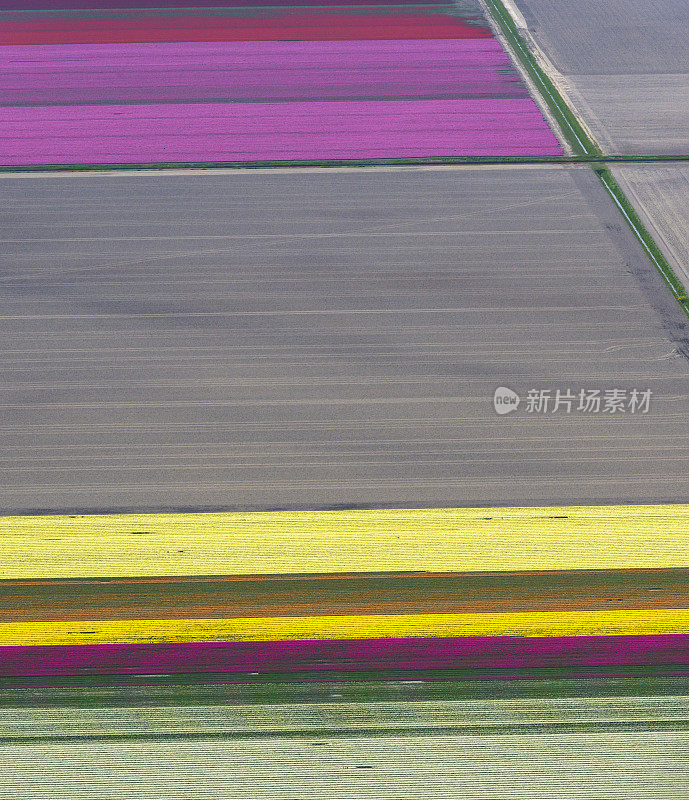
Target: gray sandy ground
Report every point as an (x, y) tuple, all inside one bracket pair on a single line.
[(630, 37), (586, 766), (625, 68), (634, 114), (283, 340)]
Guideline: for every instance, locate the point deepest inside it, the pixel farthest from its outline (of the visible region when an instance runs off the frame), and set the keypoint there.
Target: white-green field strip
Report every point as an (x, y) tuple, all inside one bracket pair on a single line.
[(585, 766), (503, 715)]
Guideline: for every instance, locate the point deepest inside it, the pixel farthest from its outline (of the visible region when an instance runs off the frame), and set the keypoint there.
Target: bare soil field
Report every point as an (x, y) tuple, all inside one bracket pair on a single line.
[(617, 37), (624, 65), (633, 114), (311, 339)]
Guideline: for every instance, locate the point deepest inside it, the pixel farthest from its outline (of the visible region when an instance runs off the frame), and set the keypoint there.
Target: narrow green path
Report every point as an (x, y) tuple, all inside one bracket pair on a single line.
[(334, 163), (577, 137)]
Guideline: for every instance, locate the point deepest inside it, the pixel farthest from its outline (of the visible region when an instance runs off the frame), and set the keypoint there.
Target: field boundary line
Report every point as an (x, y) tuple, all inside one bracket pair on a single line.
[(421, 161), (643, 236), (578, 139), (582, 144)]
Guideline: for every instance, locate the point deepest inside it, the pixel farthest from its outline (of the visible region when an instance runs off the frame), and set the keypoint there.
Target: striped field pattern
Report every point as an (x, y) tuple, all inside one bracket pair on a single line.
[(545, 739), (454, 589), (259, 86)]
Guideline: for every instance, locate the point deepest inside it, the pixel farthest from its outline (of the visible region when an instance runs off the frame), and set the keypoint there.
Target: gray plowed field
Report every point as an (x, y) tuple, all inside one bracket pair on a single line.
[(625, 65), (317, 339)]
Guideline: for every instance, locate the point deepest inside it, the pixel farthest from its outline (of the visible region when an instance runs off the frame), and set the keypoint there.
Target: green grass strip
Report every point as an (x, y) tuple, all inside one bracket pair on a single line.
[(379, 162), (371, 685), (335, 162), (188, 690), (572, 130), (647, 242)]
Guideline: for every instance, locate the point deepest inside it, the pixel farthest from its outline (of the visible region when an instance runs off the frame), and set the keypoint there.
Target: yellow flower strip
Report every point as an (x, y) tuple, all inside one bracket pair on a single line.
[(299, 542), (538, 624)]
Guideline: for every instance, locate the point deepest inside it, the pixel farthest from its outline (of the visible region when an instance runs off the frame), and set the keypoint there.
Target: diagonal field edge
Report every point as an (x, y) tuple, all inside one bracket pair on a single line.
[(644, 237), (583, 144), (579, 140)]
